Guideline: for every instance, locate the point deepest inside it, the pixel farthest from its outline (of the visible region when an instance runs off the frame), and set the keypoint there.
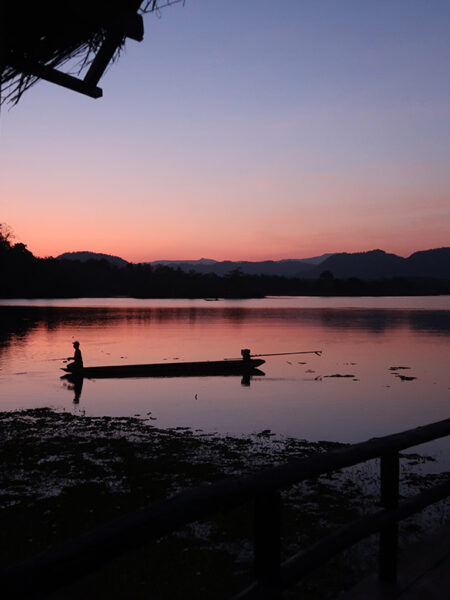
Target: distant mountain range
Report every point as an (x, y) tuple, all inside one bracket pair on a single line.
[(375, 264), (294, 267), (378, 264)]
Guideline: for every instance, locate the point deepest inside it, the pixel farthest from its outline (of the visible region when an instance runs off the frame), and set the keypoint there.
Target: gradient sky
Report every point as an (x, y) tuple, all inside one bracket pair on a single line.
[(244, 129)]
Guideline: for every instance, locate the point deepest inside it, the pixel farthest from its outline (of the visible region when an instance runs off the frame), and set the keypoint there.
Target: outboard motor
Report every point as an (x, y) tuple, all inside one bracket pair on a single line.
[(245, 353)]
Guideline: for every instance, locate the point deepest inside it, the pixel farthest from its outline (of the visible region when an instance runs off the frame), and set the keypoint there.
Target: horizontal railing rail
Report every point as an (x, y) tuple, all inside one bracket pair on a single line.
[(303, 563), (58, 567)]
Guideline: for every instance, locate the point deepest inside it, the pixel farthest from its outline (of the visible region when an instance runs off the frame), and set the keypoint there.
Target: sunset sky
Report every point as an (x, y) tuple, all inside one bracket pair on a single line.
[(244, 129)]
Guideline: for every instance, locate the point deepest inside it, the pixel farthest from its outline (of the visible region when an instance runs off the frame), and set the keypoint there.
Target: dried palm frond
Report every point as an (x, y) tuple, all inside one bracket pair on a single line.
[(38, 38)]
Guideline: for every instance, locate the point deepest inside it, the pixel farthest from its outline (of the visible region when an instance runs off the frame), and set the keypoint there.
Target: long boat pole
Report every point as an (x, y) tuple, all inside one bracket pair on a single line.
[(318, 352)]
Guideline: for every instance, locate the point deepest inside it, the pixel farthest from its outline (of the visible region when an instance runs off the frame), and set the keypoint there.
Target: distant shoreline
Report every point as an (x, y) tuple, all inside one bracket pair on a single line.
[(411, 303), (348, 289), (363, 274)]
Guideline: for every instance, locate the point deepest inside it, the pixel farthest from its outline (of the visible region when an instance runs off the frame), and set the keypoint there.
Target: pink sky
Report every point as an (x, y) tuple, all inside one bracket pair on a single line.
[(306, 135)]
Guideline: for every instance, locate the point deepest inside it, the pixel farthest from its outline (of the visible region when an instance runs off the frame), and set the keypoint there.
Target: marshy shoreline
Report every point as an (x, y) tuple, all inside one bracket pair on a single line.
[(64, 474)]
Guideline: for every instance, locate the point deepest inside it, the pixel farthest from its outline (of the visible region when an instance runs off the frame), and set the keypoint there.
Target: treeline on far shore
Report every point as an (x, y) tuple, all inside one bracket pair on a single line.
[(22, 275)]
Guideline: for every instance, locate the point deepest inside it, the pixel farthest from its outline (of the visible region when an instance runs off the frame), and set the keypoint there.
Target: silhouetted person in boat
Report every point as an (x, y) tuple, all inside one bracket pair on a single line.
[(77, 359), (245, 353)]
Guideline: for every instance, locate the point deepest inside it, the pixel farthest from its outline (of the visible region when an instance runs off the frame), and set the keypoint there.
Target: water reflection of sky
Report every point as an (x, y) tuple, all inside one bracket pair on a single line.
[(296, 396)]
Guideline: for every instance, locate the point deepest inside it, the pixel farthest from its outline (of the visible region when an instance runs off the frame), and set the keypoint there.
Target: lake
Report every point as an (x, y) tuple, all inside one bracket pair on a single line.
[(365, 339)]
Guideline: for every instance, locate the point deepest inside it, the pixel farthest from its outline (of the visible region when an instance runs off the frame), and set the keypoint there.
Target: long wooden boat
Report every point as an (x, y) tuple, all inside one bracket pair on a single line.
[(178, 369)]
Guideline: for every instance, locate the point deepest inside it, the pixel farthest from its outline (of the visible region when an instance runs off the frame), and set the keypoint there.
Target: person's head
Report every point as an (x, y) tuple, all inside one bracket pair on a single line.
[(76, 344)]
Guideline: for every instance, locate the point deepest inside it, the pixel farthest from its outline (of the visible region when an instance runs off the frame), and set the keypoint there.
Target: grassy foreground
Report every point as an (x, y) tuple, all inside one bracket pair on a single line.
[(63, 474)]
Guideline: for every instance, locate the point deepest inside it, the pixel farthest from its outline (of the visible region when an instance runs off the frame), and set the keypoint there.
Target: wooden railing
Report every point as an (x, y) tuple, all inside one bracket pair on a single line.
[(55, 568)]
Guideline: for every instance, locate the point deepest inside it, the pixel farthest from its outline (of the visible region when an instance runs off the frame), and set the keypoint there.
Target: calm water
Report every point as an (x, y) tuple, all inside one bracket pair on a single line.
[(362, 337)]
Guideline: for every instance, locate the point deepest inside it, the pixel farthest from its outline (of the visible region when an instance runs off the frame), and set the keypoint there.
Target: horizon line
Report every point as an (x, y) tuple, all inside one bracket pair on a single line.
[(187, 260)]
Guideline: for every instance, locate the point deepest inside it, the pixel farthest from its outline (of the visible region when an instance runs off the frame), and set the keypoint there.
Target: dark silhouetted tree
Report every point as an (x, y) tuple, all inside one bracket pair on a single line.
[(326, 275)]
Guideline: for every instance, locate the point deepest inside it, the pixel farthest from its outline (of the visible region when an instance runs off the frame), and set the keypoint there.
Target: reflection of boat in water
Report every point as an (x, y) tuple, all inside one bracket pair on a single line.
[(180, 369)]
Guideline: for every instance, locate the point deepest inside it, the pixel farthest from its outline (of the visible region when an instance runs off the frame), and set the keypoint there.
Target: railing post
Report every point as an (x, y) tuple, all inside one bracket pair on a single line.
[(267, 544), (389, 473)]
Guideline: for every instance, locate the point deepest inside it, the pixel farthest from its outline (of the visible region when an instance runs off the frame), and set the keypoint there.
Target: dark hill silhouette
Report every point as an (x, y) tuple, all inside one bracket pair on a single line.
[(85, 255), (313, 260), (429, 263), (377, 264), (289, 267), (25, 276), (292, 268)]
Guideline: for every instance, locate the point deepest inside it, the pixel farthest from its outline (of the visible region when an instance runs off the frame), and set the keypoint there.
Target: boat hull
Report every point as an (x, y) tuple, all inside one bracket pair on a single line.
[(180, 369)]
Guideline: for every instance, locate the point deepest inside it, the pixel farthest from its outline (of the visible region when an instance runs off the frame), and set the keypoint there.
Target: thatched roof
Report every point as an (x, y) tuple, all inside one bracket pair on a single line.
[(38, 37)]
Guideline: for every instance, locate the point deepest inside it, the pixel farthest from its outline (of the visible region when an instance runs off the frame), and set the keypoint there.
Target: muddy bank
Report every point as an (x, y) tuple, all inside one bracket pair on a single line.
[(63, 474)]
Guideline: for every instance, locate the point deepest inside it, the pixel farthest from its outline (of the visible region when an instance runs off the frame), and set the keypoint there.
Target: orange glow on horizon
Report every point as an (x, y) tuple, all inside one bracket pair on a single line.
[(333, 218)]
